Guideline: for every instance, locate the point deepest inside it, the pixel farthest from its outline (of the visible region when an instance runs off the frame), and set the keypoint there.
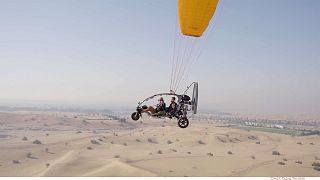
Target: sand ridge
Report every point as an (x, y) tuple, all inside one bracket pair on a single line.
[(78, 147)]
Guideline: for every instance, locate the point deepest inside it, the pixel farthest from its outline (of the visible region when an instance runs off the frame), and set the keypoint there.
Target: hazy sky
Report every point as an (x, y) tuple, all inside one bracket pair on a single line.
[(261, 56)]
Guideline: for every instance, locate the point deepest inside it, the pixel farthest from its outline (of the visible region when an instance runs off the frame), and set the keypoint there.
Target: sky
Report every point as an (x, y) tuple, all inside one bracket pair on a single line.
[(259, 56)]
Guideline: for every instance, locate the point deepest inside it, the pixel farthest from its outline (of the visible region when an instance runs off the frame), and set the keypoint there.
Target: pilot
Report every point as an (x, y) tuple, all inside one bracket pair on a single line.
[(172, 107), (159, 110)]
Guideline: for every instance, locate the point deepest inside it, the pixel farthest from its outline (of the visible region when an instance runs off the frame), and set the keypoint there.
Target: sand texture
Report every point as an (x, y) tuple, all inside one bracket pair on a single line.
[(61, 144)]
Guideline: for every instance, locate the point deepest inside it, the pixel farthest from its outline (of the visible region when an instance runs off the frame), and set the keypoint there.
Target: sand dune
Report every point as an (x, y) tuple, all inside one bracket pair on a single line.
[(152, 148)]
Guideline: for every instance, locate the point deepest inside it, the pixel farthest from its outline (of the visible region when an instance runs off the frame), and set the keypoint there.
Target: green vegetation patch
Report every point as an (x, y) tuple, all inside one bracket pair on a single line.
[(274, 130)]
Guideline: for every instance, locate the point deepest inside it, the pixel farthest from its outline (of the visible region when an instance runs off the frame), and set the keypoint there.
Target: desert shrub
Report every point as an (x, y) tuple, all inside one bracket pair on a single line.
[(159, 152), (253, 157), (173, 150), (138, 140), (275, 153), (284, 159), (125, 144), (209, 154), (169, 142), (89, 148), (152, 141), (316, 158), (229, 152), (36, 142), (316, 164), (311, 143), (298, 162), (78, 132), (15, 161), (281, 163), (252, 137), (93, 141), (299, 143), (201, 142), (48, 164), (24, 139), (116, 156), (220, 139), (236, 139), (29, 155), (189, 152), (258, 142), (100, 139)]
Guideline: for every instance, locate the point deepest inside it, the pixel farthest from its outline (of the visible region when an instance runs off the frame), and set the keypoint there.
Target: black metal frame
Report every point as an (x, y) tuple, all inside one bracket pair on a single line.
[(160, 94)]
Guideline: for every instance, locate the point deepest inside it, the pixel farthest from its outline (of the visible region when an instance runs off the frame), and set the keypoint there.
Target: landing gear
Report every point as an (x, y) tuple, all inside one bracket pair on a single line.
[(183, 122), (135, 116)]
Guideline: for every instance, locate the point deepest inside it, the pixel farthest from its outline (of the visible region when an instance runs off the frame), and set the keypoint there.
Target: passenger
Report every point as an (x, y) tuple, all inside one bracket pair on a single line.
[(160, 108), (172, 107)]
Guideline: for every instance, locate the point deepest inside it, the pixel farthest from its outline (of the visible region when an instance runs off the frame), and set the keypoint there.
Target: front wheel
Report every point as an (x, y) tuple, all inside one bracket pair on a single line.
[(183, 122), (135, 116)]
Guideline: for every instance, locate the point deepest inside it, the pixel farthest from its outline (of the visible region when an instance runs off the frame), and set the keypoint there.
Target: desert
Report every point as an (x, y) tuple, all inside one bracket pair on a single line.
[(71, 144)]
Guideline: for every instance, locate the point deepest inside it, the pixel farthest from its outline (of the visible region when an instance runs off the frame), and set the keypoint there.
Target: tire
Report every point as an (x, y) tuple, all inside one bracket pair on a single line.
[(183, 122), (135, 116)]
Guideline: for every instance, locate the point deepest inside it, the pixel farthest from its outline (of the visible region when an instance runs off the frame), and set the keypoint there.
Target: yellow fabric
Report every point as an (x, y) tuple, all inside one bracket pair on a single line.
[(194, 15)]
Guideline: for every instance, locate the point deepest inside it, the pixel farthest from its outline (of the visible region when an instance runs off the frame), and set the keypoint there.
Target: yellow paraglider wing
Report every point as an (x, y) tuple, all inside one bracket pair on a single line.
[(194, 15)]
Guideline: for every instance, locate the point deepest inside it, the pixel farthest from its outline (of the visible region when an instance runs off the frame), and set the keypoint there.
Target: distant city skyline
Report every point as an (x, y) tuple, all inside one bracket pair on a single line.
[(261, 56)]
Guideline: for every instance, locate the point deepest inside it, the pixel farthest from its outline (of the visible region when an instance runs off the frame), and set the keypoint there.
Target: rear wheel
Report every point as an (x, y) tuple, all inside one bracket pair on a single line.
[(135, 116), (183, 122)]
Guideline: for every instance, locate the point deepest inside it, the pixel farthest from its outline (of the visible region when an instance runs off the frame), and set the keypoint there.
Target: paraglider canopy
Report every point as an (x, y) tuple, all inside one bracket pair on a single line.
[(191, 33), (194, 15)]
